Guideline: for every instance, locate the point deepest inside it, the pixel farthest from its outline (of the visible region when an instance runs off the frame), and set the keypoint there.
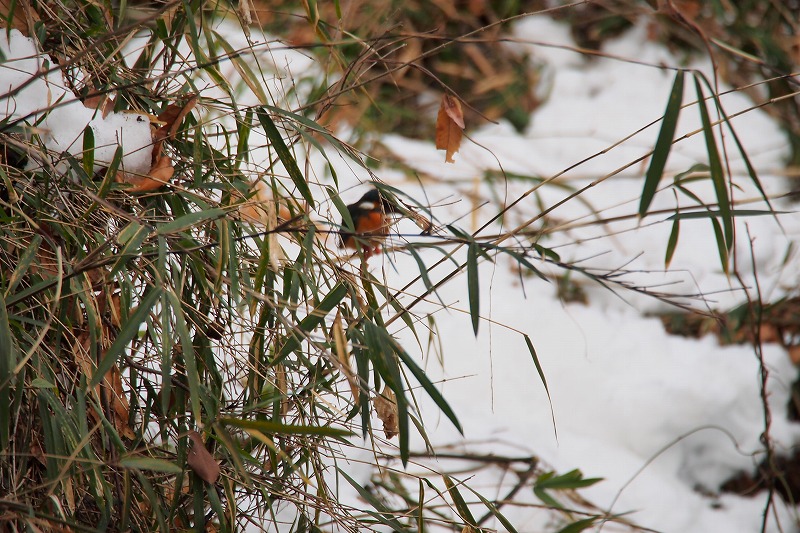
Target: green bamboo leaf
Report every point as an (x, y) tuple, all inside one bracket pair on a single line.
[(663, 144), (88, 150), (126, 333), (150, 463), (131, 237), (314, 319), (429, 387), (338, 146), (8, 360), (538, 365), (580, 525), (715, 167), (493, 510), (721, 248), (155, 500), (384, 514), (461, 506), (751, 171), (715, 214), (187, 349), (473, 286), (570, 481), (382, 348), (243, 68), (672, 243), (190, 220), (276, 428), (24, 263), (286, 157)]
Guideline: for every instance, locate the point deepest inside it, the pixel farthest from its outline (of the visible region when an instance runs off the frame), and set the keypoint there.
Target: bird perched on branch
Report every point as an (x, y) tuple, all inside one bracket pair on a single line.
[(372, 217)]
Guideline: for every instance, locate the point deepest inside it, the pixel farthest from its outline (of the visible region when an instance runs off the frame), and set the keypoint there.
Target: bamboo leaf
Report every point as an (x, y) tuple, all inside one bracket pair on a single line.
[(538, 365), (187, 349), (88, 150), (461, 506), (314, 319), (473, 286), (715, 214), (715, 167), (663, 144), (8, 360), (150, 463), (493, 510), (126, 333), (131, 236), (190, 220), (672, 243), (276, 428), (429, 387), (384, 515), (579, 525), (286, 157), (721, 248)]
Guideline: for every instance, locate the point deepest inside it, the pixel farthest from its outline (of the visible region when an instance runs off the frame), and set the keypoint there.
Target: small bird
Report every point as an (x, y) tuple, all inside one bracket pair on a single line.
[(372, 217)]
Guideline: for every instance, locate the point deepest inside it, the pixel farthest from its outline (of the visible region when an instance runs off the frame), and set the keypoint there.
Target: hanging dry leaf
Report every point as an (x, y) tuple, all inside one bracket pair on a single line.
[(200, 460), (340, 342), (24, 17), (172, 116), (449, 126), (386, 408)]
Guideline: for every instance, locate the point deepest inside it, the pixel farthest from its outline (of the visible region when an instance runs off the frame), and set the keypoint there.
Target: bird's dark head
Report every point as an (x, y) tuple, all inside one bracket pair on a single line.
[(374, 200)]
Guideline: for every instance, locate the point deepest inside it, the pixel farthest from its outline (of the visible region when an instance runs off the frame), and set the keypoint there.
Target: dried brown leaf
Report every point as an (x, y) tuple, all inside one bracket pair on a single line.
[(794, 354), (200, 460), (102, 102), (160, 174), (385, 405), (172, 116), (449, 126), (24, 16), (343, 353)]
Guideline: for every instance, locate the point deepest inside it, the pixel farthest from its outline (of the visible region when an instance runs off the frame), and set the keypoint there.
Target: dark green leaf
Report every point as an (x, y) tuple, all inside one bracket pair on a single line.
[(713, 214), (538, 365), (429, 387), (150, 463), (672, 243), (715, 167), (8, 360), (286, 157), (190, 220), (384, 515), (314, 319), (461, 506), (275, 428), (580, 525), (473, 286), (663, 144)]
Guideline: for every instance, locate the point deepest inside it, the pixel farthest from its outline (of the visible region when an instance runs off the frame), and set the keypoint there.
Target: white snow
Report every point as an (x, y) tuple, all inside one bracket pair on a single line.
[(32, 90)]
